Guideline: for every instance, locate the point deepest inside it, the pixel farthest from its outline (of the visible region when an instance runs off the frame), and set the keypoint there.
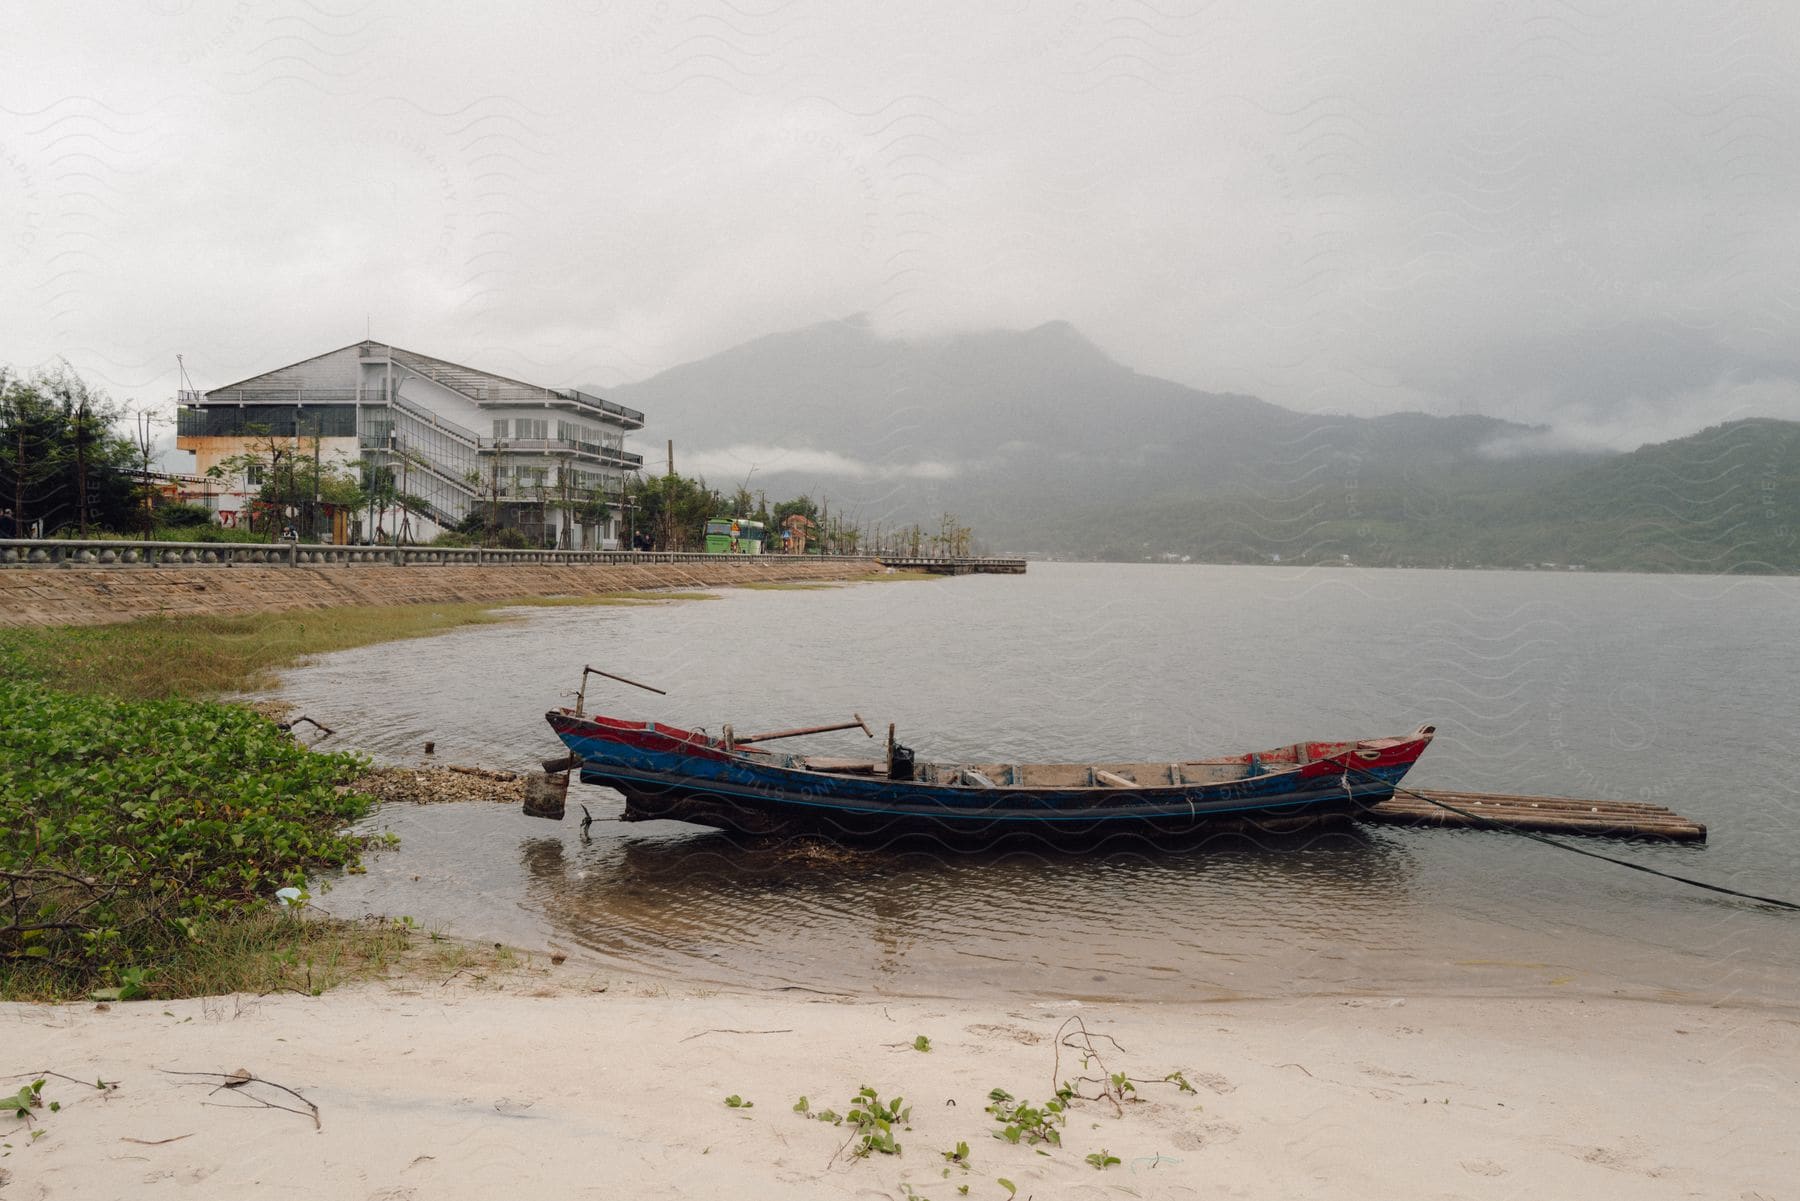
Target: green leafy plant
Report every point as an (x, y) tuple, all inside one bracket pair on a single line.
[(1102, 1160), (830, 1117), (127, 828), (1023, 1122), (921, 1043), (134, 982), (875, 1121), (737, 1102), (960, 1155), (1012, 1190), (20, 1104)]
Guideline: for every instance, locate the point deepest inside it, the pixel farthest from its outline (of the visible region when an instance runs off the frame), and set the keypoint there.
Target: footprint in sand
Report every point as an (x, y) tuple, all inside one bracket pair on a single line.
[(1623, 1158), (1017, 1033), (1206, 1134), (1482, 1167)]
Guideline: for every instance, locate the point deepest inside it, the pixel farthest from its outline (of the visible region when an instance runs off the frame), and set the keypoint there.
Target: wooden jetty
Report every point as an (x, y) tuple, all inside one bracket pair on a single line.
[(1550, 815), (946, 566)]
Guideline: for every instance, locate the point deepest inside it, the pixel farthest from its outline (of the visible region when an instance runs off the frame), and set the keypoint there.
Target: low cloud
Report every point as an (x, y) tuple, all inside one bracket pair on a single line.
[(1628, 423), (736, 462)]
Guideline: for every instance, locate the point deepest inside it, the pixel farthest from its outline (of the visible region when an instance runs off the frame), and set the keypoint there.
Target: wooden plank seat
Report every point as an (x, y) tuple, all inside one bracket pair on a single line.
[(848, 767)]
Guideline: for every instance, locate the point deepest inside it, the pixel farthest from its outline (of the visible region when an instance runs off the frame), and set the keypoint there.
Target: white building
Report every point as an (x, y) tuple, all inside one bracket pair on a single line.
[(451, 440)]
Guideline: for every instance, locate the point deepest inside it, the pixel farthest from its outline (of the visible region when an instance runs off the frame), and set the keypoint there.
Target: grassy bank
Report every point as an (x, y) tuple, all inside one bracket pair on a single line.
[(157, 657), (145, 827)]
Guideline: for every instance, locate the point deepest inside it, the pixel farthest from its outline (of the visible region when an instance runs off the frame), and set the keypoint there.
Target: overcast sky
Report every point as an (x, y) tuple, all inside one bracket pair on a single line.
[(1577, 213)]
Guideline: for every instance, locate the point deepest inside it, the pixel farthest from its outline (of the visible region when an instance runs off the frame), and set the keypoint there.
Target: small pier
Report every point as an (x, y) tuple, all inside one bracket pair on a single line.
[(965, 566), (1544, 814)]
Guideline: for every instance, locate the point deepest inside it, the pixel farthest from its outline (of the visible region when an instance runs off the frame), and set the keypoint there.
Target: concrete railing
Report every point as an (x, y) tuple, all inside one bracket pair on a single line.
[(62, 552)]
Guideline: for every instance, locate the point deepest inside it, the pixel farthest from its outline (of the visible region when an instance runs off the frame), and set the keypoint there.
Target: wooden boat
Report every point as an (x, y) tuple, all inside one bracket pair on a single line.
[(734, 783)]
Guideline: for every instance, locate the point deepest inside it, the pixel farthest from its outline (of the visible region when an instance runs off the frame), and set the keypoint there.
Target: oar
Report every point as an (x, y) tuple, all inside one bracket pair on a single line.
[(858, 724)]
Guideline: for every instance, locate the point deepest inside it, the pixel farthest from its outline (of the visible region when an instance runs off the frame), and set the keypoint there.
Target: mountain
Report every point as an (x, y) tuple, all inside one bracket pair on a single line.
[(1044, 444), (1012, 430), (1726, 499)]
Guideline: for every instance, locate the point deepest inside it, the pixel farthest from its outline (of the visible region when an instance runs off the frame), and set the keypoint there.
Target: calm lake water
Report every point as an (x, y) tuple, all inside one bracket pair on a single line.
[(1678, 690)]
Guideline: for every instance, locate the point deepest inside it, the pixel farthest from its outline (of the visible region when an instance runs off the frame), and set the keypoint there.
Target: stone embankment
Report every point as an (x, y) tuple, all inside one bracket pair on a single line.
[(76, 595)]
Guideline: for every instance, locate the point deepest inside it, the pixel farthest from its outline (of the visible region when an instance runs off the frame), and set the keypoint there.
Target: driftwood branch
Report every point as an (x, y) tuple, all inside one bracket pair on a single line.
[(239, 1082), (46, 1074), (1110, 1086), (692, 1037), (1081, 1040)]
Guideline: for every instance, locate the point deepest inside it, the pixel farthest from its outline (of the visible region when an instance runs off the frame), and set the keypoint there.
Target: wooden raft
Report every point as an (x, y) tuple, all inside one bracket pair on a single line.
[(1551, 815)]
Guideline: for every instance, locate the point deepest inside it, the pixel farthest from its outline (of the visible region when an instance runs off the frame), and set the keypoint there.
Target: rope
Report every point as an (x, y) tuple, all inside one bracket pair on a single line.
[(1484, 820)]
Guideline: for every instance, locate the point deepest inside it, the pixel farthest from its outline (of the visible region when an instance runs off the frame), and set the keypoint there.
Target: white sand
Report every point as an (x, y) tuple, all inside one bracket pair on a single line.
[(547, 1089)]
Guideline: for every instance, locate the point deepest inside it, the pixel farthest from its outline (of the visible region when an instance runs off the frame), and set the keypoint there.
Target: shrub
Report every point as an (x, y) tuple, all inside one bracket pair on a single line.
[(126, 827), (181, 515)]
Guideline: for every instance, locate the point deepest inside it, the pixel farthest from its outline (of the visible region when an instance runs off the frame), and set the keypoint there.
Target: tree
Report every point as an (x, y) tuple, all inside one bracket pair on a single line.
[(804, 505), (378, 492), (845, 539), (676, 508), (62, 461), (592, 507), (269, 464), (952, 537), (294, 477)]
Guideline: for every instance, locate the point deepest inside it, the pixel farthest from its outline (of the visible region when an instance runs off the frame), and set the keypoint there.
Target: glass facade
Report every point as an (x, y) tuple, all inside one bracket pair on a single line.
[(280, 421)]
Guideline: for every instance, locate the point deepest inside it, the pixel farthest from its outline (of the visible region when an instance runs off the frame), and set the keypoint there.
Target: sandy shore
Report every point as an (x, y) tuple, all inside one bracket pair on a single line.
[(564, 1084)]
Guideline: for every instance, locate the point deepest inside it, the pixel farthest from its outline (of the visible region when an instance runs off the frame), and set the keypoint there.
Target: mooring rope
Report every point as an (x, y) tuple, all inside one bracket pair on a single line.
[(1563, 846)]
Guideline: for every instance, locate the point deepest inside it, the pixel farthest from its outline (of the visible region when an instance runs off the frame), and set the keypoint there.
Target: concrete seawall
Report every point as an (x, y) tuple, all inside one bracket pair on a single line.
[(98, 595)]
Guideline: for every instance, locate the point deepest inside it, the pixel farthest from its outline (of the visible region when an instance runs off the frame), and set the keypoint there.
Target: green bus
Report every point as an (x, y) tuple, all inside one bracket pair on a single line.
[(734, 536)]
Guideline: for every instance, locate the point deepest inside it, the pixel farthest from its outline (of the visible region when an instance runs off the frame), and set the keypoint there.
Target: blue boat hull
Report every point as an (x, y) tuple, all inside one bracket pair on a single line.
[(665, 773)]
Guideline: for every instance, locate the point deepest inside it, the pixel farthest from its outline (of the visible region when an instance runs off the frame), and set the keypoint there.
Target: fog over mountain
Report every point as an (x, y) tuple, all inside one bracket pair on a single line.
[(1001, 424), (1046, 444)]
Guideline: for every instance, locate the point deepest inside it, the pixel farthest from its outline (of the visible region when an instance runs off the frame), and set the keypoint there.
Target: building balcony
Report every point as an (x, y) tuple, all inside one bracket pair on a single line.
[(610, 456), (618, 414), (551, 494), (378, 440)]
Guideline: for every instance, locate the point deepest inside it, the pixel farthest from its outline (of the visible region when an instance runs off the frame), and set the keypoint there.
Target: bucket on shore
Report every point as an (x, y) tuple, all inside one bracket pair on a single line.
[(546, 794)]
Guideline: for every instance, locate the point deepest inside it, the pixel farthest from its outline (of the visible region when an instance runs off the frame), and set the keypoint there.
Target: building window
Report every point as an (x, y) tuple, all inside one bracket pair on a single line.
[(253, 474), (534, 429), (499, 428)]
